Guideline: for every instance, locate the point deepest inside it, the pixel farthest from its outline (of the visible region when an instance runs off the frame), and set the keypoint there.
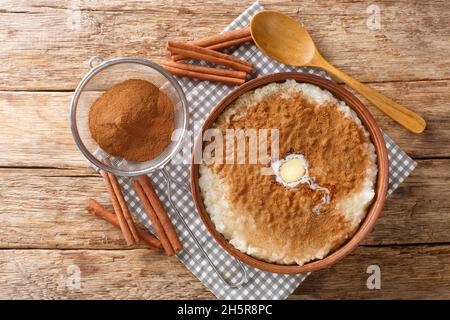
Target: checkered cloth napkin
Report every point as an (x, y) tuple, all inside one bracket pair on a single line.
[(202, 96)]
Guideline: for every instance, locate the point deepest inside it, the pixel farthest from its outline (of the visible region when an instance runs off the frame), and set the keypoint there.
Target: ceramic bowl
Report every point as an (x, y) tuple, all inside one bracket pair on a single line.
[(381, 183)]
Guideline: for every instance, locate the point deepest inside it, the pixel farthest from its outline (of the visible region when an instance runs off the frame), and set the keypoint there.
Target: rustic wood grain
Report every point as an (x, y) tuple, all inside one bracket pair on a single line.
[(46, 44), (411, 272), (429, 100), (34, 126), (44, 180), (35, 130), (44, 208), (413, 210), (104, 274)]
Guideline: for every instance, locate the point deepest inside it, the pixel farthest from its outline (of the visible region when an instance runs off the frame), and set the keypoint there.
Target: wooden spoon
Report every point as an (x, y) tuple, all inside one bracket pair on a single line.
[(283, 39)]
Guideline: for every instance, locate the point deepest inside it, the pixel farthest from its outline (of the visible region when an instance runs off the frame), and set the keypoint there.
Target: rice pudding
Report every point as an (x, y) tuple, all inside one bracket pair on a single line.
[(320, 186)]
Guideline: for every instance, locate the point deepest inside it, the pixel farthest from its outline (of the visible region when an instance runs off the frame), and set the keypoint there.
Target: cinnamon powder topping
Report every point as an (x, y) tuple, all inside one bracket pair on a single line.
[(133, 120), (280, 220)]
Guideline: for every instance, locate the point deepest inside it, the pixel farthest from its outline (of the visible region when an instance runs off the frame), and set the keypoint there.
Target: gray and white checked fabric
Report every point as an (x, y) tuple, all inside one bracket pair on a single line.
[(202, 97)]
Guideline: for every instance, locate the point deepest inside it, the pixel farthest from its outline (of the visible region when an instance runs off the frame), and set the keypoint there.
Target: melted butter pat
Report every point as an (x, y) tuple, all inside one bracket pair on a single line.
[(292, 170)]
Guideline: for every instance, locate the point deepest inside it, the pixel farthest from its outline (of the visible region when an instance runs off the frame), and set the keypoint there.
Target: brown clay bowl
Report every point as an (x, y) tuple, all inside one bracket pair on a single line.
[(381, 187)]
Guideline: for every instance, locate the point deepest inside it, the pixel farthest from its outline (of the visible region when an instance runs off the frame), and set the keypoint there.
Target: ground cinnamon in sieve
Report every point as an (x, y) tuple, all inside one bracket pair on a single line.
[(133, 120)]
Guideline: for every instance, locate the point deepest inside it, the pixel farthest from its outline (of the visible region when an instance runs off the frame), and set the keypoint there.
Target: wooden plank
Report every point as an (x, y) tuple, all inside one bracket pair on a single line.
[(104, 274), (45, 209), (35, 130), (417, 272), (426, 98), (46, 44), (412, 211), (411, 272), (34, 126)]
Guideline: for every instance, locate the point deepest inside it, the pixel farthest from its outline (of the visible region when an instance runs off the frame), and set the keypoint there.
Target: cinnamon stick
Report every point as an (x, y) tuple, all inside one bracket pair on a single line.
[(203, 76), (222, 37), (195, 52), (207, 70), (160, 212), (98, 210), (217, 46), (123, 205), (153, 218), (205, 51), (230, 43), (117, 208)]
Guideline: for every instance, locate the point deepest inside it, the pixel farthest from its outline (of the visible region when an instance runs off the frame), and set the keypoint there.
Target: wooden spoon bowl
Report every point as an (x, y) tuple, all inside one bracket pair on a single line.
[(381, 186)]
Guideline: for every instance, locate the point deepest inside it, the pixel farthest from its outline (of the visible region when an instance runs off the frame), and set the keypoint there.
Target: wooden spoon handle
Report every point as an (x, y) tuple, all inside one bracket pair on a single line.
[(407, 118)]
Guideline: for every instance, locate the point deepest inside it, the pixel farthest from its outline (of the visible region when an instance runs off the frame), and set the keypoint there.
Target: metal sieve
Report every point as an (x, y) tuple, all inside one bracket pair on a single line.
[(96, 82), (101, 76)]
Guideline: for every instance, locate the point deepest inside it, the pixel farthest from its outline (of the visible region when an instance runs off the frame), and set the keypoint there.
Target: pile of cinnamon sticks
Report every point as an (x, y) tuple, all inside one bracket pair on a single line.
[(164, 229), (206, 49)]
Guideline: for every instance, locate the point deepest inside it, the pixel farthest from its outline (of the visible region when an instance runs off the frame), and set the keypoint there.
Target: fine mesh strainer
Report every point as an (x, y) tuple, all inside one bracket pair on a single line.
[(101, 77), (96, 82)]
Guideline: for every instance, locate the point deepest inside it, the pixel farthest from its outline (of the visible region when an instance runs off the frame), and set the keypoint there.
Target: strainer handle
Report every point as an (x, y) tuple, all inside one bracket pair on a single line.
[(244, 278), (95, 61)]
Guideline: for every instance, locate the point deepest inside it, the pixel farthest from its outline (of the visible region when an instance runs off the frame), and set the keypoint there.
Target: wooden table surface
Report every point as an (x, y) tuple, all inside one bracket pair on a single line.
[(46, 236)]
